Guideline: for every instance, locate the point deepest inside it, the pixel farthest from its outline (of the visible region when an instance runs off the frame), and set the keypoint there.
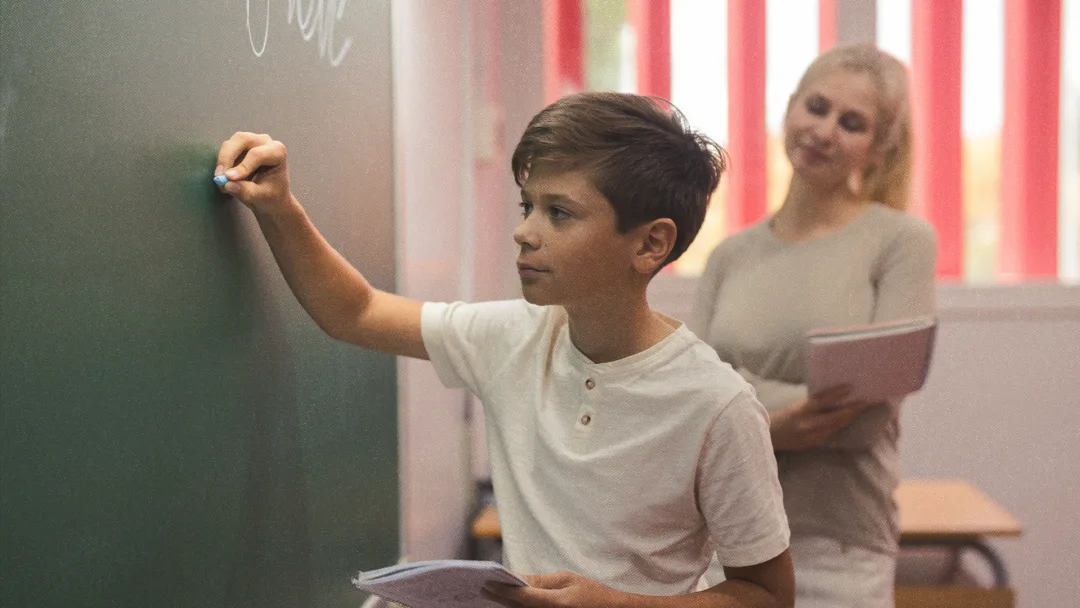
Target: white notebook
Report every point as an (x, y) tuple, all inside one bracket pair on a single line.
[(879, 361), (448, 583)]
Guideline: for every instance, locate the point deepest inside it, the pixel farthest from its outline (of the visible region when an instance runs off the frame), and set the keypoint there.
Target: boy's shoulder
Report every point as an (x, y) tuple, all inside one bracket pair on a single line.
[(500, 313), (487, 324), (699, 370), (470, 343), (702, 387)]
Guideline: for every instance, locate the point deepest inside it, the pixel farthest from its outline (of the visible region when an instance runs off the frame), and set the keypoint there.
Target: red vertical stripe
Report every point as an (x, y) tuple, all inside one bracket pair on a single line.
[(651, 20), (1029, 146), (826, 24), (564, 50), (936, 57), (746, 112)]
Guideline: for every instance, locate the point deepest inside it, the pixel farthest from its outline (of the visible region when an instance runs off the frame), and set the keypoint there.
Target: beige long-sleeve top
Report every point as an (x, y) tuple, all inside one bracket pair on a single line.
[(756, 300)]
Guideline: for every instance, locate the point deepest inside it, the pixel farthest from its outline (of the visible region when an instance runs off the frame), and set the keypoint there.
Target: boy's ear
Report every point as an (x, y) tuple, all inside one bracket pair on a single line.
[(657, 241)]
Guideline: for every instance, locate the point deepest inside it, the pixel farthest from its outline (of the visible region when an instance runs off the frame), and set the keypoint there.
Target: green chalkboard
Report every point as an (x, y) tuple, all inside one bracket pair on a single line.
[(174, 430)]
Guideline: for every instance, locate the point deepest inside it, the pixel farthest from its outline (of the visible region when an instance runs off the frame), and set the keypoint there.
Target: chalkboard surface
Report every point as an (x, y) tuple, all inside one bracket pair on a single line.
[(174, 430)]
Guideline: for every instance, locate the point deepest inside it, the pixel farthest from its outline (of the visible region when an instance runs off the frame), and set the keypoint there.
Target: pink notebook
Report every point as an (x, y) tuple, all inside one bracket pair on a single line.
[(878, 361)]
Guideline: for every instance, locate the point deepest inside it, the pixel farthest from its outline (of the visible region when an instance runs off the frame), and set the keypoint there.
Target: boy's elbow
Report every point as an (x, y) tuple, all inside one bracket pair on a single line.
[(336, 333), (343, 325), (343, 317), (347, 331), (784, 592), (770, 584)]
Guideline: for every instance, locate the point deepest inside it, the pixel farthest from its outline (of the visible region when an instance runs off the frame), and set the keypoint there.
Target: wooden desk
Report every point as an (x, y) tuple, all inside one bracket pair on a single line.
[(954, 515), (486, 524), (949, 513), (950, 509), (930, 510)]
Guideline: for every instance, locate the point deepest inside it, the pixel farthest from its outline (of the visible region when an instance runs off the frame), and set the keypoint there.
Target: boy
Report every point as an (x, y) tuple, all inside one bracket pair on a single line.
[(623, 452)]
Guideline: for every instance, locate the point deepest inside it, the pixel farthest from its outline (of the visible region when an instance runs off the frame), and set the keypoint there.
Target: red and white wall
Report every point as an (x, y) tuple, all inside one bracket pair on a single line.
[(1003, 404)]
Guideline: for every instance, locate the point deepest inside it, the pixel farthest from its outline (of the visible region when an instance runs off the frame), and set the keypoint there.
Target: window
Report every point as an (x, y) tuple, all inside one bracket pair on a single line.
[(699, 87), (699, 70), (1069, 168)]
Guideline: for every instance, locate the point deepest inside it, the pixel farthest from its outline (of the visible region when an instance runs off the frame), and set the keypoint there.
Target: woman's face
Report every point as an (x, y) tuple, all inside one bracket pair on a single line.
[(830, 126)]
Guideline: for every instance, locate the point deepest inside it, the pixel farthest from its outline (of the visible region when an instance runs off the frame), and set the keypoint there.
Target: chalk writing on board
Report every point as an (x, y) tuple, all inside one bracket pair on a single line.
[(320, 19), (266, 29), (317, 23)]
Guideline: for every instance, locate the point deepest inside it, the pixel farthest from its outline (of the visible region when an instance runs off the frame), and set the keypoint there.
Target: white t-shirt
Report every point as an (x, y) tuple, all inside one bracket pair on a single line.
[(629, 472)]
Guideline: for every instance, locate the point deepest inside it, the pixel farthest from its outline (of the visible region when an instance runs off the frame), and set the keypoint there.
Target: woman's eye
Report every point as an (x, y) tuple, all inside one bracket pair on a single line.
[(853, 123), (817, 105)]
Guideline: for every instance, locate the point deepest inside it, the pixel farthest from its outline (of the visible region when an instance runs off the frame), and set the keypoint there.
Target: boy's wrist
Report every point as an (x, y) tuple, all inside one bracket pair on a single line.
[(633, 600), (622, 599), (284, 207), (629, 600)]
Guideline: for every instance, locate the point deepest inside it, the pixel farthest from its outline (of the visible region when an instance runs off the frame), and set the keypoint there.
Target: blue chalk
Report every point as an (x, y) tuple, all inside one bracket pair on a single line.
[(220, 180)]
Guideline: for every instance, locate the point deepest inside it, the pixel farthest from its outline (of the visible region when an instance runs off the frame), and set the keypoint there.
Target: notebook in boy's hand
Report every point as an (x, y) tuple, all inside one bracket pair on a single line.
[(878, 361), (448, 583)]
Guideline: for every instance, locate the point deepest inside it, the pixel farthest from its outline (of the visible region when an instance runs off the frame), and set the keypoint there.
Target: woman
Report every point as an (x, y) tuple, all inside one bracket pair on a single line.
[(840, 251)]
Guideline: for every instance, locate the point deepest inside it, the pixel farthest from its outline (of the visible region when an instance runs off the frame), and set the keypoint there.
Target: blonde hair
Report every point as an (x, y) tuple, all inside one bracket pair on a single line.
[(887, 180)]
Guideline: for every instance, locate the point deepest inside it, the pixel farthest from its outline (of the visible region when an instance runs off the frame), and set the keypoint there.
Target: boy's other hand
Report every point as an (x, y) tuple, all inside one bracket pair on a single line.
[(556, 590), (256, 168), (810, 423)]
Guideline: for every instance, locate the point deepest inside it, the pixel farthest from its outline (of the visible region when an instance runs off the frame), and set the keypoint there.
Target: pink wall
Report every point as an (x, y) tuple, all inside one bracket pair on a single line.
[(461, 102), (1002, 407)]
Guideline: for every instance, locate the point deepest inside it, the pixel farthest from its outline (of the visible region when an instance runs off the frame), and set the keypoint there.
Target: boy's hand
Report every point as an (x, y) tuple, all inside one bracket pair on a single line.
[(555, 590), (261, 179), (810, 423)]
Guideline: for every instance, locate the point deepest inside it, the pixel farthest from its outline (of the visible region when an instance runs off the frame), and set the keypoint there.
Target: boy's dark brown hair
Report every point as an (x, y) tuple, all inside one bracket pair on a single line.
[(639, 152)]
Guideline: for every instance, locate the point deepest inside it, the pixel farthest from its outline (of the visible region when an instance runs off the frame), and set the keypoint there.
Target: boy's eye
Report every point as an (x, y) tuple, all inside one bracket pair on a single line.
[(526, 208), (558, 214)]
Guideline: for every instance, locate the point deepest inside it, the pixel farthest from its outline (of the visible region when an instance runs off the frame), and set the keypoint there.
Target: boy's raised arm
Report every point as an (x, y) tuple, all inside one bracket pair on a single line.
[(330, 289)]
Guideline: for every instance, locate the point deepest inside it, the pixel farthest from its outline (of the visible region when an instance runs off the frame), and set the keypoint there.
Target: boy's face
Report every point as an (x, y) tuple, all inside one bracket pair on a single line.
[(571, 253)]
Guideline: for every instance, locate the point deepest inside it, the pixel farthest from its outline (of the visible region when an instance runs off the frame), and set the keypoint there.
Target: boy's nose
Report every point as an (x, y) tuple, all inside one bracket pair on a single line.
[(524, 236)]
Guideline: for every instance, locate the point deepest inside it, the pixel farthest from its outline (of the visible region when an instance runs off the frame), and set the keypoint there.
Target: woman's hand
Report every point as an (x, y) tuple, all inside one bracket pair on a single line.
[(811, 422)]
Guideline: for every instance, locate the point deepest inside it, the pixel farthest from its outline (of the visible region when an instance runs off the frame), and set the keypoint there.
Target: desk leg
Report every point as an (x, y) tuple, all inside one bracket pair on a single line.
[(1001, 576)]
